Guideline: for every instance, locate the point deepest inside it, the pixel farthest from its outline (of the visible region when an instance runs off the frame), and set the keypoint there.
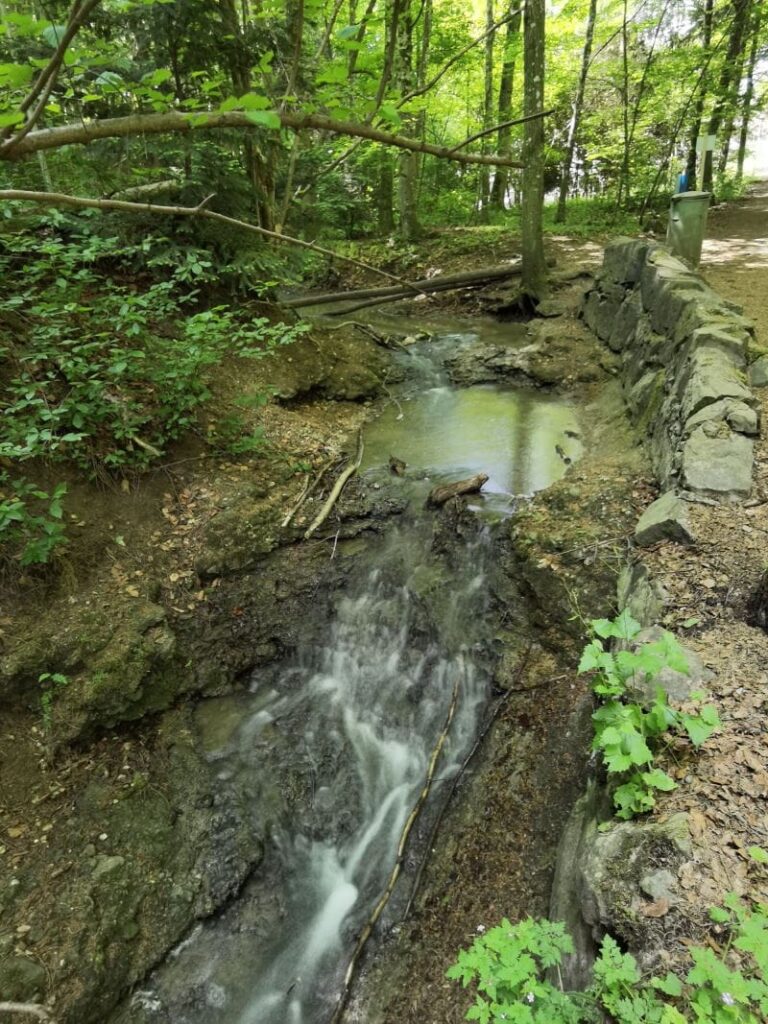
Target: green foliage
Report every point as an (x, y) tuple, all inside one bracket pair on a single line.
[(31, 527), (52, 683), (628, 733), (512, 967), (106, 375)]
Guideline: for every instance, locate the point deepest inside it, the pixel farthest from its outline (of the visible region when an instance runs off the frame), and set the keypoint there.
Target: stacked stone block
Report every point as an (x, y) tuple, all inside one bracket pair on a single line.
[(683, 368)]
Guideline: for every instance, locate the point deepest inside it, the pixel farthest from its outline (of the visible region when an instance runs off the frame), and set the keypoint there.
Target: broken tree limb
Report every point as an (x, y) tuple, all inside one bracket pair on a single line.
[(370, 924), (83, 133), (438, 496), (497, 127), (29, 1009), (338, 487), (500, 703), (79, 202), (424, 284)]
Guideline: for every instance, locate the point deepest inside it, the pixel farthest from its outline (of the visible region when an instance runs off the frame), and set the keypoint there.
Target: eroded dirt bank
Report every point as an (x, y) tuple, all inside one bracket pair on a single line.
[(113, 841)]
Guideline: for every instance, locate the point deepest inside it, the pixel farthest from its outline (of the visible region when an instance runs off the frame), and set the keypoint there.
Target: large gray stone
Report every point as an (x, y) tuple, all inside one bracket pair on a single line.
[(642, 597), (600, 313), (624, 259), (708, 376), (677, 685), (625, 323), (731, 340), (666, 519), (739, 416), (758, 373), (719, 466), (671, 300)]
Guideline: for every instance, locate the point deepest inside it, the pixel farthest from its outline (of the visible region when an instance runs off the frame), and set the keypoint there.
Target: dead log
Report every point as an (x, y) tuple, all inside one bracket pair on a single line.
[(438, 496), (427, 284)]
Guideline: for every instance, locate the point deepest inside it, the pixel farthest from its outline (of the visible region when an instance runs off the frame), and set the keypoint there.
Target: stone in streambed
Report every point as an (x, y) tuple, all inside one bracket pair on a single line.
[(719, 465), (758, 373), (666, 519)]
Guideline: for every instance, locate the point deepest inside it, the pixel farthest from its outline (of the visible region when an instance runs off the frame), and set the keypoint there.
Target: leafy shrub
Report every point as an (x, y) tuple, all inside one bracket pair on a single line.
[(511, 966), (106, 376), (628, 733), (31, 526)]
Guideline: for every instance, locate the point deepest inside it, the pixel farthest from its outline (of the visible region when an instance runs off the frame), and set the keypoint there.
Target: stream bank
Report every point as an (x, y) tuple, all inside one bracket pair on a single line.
[(124, 826)]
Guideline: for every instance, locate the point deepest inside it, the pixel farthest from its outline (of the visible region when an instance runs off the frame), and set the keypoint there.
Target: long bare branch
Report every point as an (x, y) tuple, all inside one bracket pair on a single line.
[(498, 127), (61, 199), (455, 58), (41, 90), (174, 121)]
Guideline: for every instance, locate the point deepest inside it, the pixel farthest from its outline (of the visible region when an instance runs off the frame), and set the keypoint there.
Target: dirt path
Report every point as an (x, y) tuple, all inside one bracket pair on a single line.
[(735, 260)]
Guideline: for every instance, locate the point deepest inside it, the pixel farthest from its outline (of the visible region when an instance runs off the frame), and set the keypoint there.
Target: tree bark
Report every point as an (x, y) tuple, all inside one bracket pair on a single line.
[(578, 103), (740, 9), (749, 92), (485, 173), (84, 133), (408, 163), (438, 496), (506, 91), (385, 194), (698, 114), (534, 268)]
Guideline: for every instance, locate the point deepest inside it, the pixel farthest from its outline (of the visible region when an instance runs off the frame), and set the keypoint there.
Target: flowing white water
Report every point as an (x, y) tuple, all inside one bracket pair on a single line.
[(334, 751), (365, 712)]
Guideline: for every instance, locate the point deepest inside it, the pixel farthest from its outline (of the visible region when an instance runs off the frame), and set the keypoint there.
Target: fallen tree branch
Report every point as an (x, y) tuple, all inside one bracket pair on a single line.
[(424, 284), (370, 924), (338, 487), (500, 703), (498, 127), (61, 199), (83, 133), (310, 486), (443, 493), (30, 1009)]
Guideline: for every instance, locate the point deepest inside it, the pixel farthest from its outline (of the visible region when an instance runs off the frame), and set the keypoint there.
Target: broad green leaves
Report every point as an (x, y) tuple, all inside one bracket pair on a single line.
[(628, 732)]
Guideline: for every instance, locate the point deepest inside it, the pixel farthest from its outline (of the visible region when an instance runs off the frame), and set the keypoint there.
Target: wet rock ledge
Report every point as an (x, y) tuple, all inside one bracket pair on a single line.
[(684, 356)]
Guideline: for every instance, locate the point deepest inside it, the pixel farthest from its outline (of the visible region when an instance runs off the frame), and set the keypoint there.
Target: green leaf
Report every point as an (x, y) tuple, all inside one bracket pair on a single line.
[(13, 117), (719, 915), (53, 34), (758, 854), (348, 32), (15, 75), (264, 118), (670, 985), (658, 779)]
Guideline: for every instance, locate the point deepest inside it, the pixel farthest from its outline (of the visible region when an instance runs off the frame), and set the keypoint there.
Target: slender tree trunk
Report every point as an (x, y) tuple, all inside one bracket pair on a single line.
[(624, 178), (408, 162), (506, 91), (258, 172), (740, 9), (749, 92), (422, 66), (485, 173), (534, 275), (699, 108), (573, 127), (385, 194)]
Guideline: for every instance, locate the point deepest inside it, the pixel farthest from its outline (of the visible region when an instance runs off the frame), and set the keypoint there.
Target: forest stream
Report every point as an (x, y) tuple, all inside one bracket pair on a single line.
[(360, 715)]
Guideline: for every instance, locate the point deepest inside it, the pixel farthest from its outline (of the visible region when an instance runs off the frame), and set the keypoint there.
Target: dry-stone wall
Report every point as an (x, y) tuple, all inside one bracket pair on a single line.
[(683, 367)]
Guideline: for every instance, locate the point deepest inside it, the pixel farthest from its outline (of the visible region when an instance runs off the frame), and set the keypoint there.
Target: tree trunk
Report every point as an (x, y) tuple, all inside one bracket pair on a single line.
[(749, 92), (534, 268), (485, 173), (698, 114), (506, 91), (408, 163), (385, 194), (624, 178), (573, 127), (732, 61)]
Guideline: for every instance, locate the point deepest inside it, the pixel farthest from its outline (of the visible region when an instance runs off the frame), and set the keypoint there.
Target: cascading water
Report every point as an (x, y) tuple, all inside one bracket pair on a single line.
[(342, 737), (366, 710)]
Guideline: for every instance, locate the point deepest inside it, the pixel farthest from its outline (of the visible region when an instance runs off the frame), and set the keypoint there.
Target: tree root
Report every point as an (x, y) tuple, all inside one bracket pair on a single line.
[(338, 487)]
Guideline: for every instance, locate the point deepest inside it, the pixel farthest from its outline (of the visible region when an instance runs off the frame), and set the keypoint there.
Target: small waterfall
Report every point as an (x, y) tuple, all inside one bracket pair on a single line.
[(365, 711)]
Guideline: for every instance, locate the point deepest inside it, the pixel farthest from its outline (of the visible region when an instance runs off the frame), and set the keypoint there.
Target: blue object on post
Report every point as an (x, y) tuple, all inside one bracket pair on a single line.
[(682, 182)]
